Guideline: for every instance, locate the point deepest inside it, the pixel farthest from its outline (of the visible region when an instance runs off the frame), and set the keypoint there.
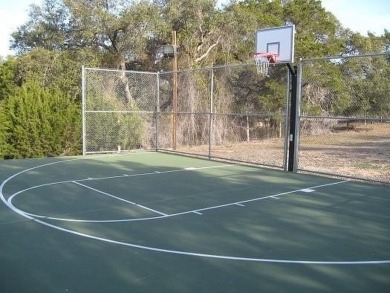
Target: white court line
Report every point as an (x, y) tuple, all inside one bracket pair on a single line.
[(119, 198), (196, 211), (10, 199), (8, 203), (308, 190), (151, 173), (214, 256), (104, 178), (265, 197)]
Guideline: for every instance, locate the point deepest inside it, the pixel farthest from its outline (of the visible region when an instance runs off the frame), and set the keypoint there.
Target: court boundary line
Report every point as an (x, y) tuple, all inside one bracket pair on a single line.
[(177, 252), (213, 256)]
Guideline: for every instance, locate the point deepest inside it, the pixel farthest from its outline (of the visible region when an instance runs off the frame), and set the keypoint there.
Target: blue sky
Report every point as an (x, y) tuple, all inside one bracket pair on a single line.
[(360, 16), (13, 13)]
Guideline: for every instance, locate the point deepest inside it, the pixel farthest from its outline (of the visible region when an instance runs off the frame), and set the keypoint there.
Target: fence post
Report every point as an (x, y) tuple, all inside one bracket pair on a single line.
[(298, 115), (83, 97), (157, 108), (174, 93), (211, 117)]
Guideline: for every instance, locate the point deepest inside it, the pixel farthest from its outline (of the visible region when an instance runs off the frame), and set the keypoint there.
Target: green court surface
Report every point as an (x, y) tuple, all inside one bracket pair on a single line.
[(156, 222)]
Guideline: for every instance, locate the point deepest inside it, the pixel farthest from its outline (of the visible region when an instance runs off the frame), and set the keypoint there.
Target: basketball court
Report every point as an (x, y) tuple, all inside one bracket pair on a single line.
[(144, 221), (160, 222)]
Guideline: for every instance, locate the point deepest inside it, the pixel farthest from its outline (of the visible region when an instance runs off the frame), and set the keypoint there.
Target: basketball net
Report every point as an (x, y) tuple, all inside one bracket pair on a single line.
[(262, 61)]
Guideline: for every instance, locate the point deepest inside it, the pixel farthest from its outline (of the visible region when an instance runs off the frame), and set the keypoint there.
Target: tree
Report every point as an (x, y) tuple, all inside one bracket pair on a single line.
[(118, 30), (317, 30), (48, 27), (8, 78), (39, 122), (62, 35), (55, 69), (368, 80), (4, 126), (197, 26)]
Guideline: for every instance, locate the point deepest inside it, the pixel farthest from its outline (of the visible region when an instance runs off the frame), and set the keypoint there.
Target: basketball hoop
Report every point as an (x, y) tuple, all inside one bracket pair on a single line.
[(262, 62)]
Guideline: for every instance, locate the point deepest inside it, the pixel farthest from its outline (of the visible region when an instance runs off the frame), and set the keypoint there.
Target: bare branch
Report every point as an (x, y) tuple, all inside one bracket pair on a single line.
[(208, 51)]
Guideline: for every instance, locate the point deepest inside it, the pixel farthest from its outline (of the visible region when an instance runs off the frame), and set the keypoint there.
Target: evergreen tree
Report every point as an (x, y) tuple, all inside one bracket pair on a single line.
[(40, 122), (8, 77)]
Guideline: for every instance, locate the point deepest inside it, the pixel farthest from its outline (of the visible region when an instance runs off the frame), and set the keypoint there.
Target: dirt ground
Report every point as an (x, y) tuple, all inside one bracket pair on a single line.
[(360, 151)]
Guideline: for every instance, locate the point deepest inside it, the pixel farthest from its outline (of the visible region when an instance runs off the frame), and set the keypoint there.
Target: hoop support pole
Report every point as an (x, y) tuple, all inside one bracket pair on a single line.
[(293, 119)]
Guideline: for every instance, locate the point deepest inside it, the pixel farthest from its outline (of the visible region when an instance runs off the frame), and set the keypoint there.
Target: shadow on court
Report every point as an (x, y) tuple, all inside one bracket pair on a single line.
[(270, 221)]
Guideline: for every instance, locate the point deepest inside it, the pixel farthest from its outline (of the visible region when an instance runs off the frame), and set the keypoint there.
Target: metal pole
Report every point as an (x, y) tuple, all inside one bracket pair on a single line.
[(174, 91), (83, 94), (298, 116), (157, 114), (286, 129), (211, 116), (293, 118)]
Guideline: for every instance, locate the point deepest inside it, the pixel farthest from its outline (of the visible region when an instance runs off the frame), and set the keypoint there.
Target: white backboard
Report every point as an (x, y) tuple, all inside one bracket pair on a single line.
[(278, 41)]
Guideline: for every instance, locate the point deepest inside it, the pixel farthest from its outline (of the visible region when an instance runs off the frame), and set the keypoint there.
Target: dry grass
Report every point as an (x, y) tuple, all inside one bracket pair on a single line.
[(362, 151)]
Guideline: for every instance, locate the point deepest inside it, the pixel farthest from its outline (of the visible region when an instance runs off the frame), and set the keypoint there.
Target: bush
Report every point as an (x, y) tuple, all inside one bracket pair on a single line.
[(40, 122)]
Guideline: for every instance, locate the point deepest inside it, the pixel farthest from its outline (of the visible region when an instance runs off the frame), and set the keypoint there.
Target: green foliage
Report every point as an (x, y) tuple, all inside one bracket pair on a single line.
[(48, 27), (316, 29), (40, 122), (4, 126), (126, 34), (8, 78), (119, 29), (325, 91), (54, 69), (108, 131), (62, 35), (371, 87), (353, 87)]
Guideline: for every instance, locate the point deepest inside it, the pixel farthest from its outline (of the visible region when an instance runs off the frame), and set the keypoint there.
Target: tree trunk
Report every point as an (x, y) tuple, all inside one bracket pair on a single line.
[(127, 98)]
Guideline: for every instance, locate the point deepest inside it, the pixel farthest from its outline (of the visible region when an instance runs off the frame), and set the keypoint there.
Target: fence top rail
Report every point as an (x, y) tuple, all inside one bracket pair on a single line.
[(119, 70), (342, 56), (168, 71)]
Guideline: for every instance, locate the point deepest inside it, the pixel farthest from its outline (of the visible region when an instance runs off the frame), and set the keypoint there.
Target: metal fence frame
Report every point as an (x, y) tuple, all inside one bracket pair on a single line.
[(159, 115), (304, 148), (208, 111)]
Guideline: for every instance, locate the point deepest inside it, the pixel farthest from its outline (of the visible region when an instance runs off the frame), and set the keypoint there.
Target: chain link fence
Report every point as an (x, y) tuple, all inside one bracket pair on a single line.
[(345, 117), (233, 113), (119, 110), (226, 112)]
